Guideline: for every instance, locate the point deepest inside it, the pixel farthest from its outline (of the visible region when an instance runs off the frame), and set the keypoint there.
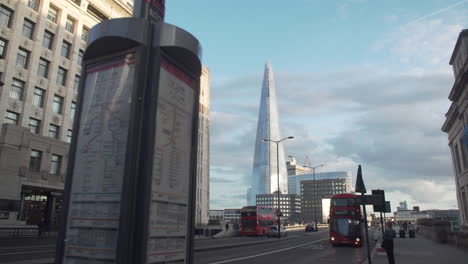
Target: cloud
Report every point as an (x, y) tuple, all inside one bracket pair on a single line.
[(426, 44), (383, 117)]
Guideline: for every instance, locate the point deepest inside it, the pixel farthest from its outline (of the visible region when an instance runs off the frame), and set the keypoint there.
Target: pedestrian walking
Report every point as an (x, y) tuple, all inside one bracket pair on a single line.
[(387, 243), (227, 227)]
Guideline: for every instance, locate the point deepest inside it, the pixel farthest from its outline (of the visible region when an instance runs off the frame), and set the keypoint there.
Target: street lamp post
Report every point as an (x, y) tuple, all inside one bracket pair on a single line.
[(278, 176), (315, 200)]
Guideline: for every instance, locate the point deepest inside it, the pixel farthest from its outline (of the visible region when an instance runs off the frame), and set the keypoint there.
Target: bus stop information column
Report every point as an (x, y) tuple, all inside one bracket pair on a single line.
[(130, 187)]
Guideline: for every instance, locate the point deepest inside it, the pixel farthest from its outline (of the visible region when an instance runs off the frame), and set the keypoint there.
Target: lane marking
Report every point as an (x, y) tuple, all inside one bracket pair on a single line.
[(268, 253), (26, 252)]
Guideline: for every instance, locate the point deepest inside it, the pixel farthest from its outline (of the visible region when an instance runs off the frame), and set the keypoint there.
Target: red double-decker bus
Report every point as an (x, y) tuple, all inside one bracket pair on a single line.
[(345, 220), (255, 220)]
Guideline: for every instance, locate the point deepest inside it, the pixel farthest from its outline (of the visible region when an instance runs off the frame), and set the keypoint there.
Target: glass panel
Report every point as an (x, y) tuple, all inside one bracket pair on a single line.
[(65, 52), (34, 125), (84, 34), (28, 28), (43, 69), (3, 45), (11, 117), (52, 14), (35, 161), (57, 104), (69, 25), (48, 40), (38, 97), (22, 58), (61, 76), (17, 88), (55, 164), (80, 57), (5, 16), (33, 4)]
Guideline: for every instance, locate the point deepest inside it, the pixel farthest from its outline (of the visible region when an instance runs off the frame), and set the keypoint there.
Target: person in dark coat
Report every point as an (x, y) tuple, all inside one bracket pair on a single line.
[(387, 243)]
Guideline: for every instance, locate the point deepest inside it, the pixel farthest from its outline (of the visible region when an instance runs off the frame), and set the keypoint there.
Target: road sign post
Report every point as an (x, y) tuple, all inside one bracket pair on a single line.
[(130, 186), (360, 187)]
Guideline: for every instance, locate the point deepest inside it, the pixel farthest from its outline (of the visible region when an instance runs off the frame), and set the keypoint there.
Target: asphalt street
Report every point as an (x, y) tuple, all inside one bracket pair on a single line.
[(298, 247)]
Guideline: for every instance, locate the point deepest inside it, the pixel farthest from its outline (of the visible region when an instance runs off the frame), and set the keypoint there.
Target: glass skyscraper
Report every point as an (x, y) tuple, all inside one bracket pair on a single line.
[(264, 173)]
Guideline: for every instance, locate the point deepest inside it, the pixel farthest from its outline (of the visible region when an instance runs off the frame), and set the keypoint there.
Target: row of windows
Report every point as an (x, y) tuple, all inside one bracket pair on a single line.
[(6, 17), (23, 56), (36, 159), (17, 92), (35, 126)]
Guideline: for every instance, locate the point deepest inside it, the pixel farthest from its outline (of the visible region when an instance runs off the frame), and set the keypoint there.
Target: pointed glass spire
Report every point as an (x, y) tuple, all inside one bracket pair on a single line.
[(264, 173)]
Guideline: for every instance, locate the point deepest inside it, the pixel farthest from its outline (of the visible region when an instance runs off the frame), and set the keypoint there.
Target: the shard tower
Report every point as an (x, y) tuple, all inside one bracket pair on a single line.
[(264, 173)]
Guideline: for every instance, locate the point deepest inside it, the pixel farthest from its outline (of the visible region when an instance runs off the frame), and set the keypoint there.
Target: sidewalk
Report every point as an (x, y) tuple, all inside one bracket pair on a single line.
[(421, 250)]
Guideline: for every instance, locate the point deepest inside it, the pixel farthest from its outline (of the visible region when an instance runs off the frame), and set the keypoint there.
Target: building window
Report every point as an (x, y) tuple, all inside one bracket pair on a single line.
[(5, 16), (3, 47), (57, 104), (457, 160), (80, 57), (66, 47), (72, 110), (38, 97), (84, 33), (34, 125), (28, 28), (48, 40), (69, 135), (52, 15), (33, 4), (55, 163), (54, 131), (76, 83), (35, 160), (70, 25), (23, 58), (463, 154), (11, 117), (17, 88), (61, 76), (43, 69)]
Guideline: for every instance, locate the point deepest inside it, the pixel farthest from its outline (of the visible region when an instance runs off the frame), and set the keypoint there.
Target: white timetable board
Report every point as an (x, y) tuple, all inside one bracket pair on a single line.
[(94, 208), (169, 205)]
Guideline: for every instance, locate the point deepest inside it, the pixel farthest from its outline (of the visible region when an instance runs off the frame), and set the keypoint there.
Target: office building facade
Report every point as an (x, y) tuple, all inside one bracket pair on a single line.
[(203, 162), (312, 193), (42, 43), (294, 181), (290, 205), (268, 160), (294, 168), (455, 124)]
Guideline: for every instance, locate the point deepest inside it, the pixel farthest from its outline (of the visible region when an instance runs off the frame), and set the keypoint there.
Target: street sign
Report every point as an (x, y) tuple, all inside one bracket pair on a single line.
[(379, 206), (370, 199), (388, 209), (360, 187)]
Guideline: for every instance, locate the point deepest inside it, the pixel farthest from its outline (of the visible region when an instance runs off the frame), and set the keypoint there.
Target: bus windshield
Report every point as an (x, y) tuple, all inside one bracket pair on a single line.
[(345, 226), (345, 202)]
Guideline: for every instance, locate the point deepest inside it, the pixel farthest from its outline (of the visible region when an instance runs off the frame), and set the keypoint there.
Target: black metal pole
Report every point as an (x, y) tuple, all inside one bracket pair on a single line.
[(366, 228), (382, 223), (385, 219), (277, 172), (315, 200)]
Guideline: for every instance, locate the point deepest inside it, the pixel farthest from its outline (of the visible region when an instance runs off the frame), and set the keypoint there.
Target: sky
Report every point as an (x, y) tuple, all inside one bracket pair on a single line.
[(358, 82)]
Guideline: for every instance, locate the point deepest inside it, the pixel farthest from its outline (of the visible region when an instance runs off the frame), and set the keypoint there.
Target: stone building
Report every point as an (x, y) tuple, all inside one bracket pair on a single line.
[(42, 43), (455, 124)]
